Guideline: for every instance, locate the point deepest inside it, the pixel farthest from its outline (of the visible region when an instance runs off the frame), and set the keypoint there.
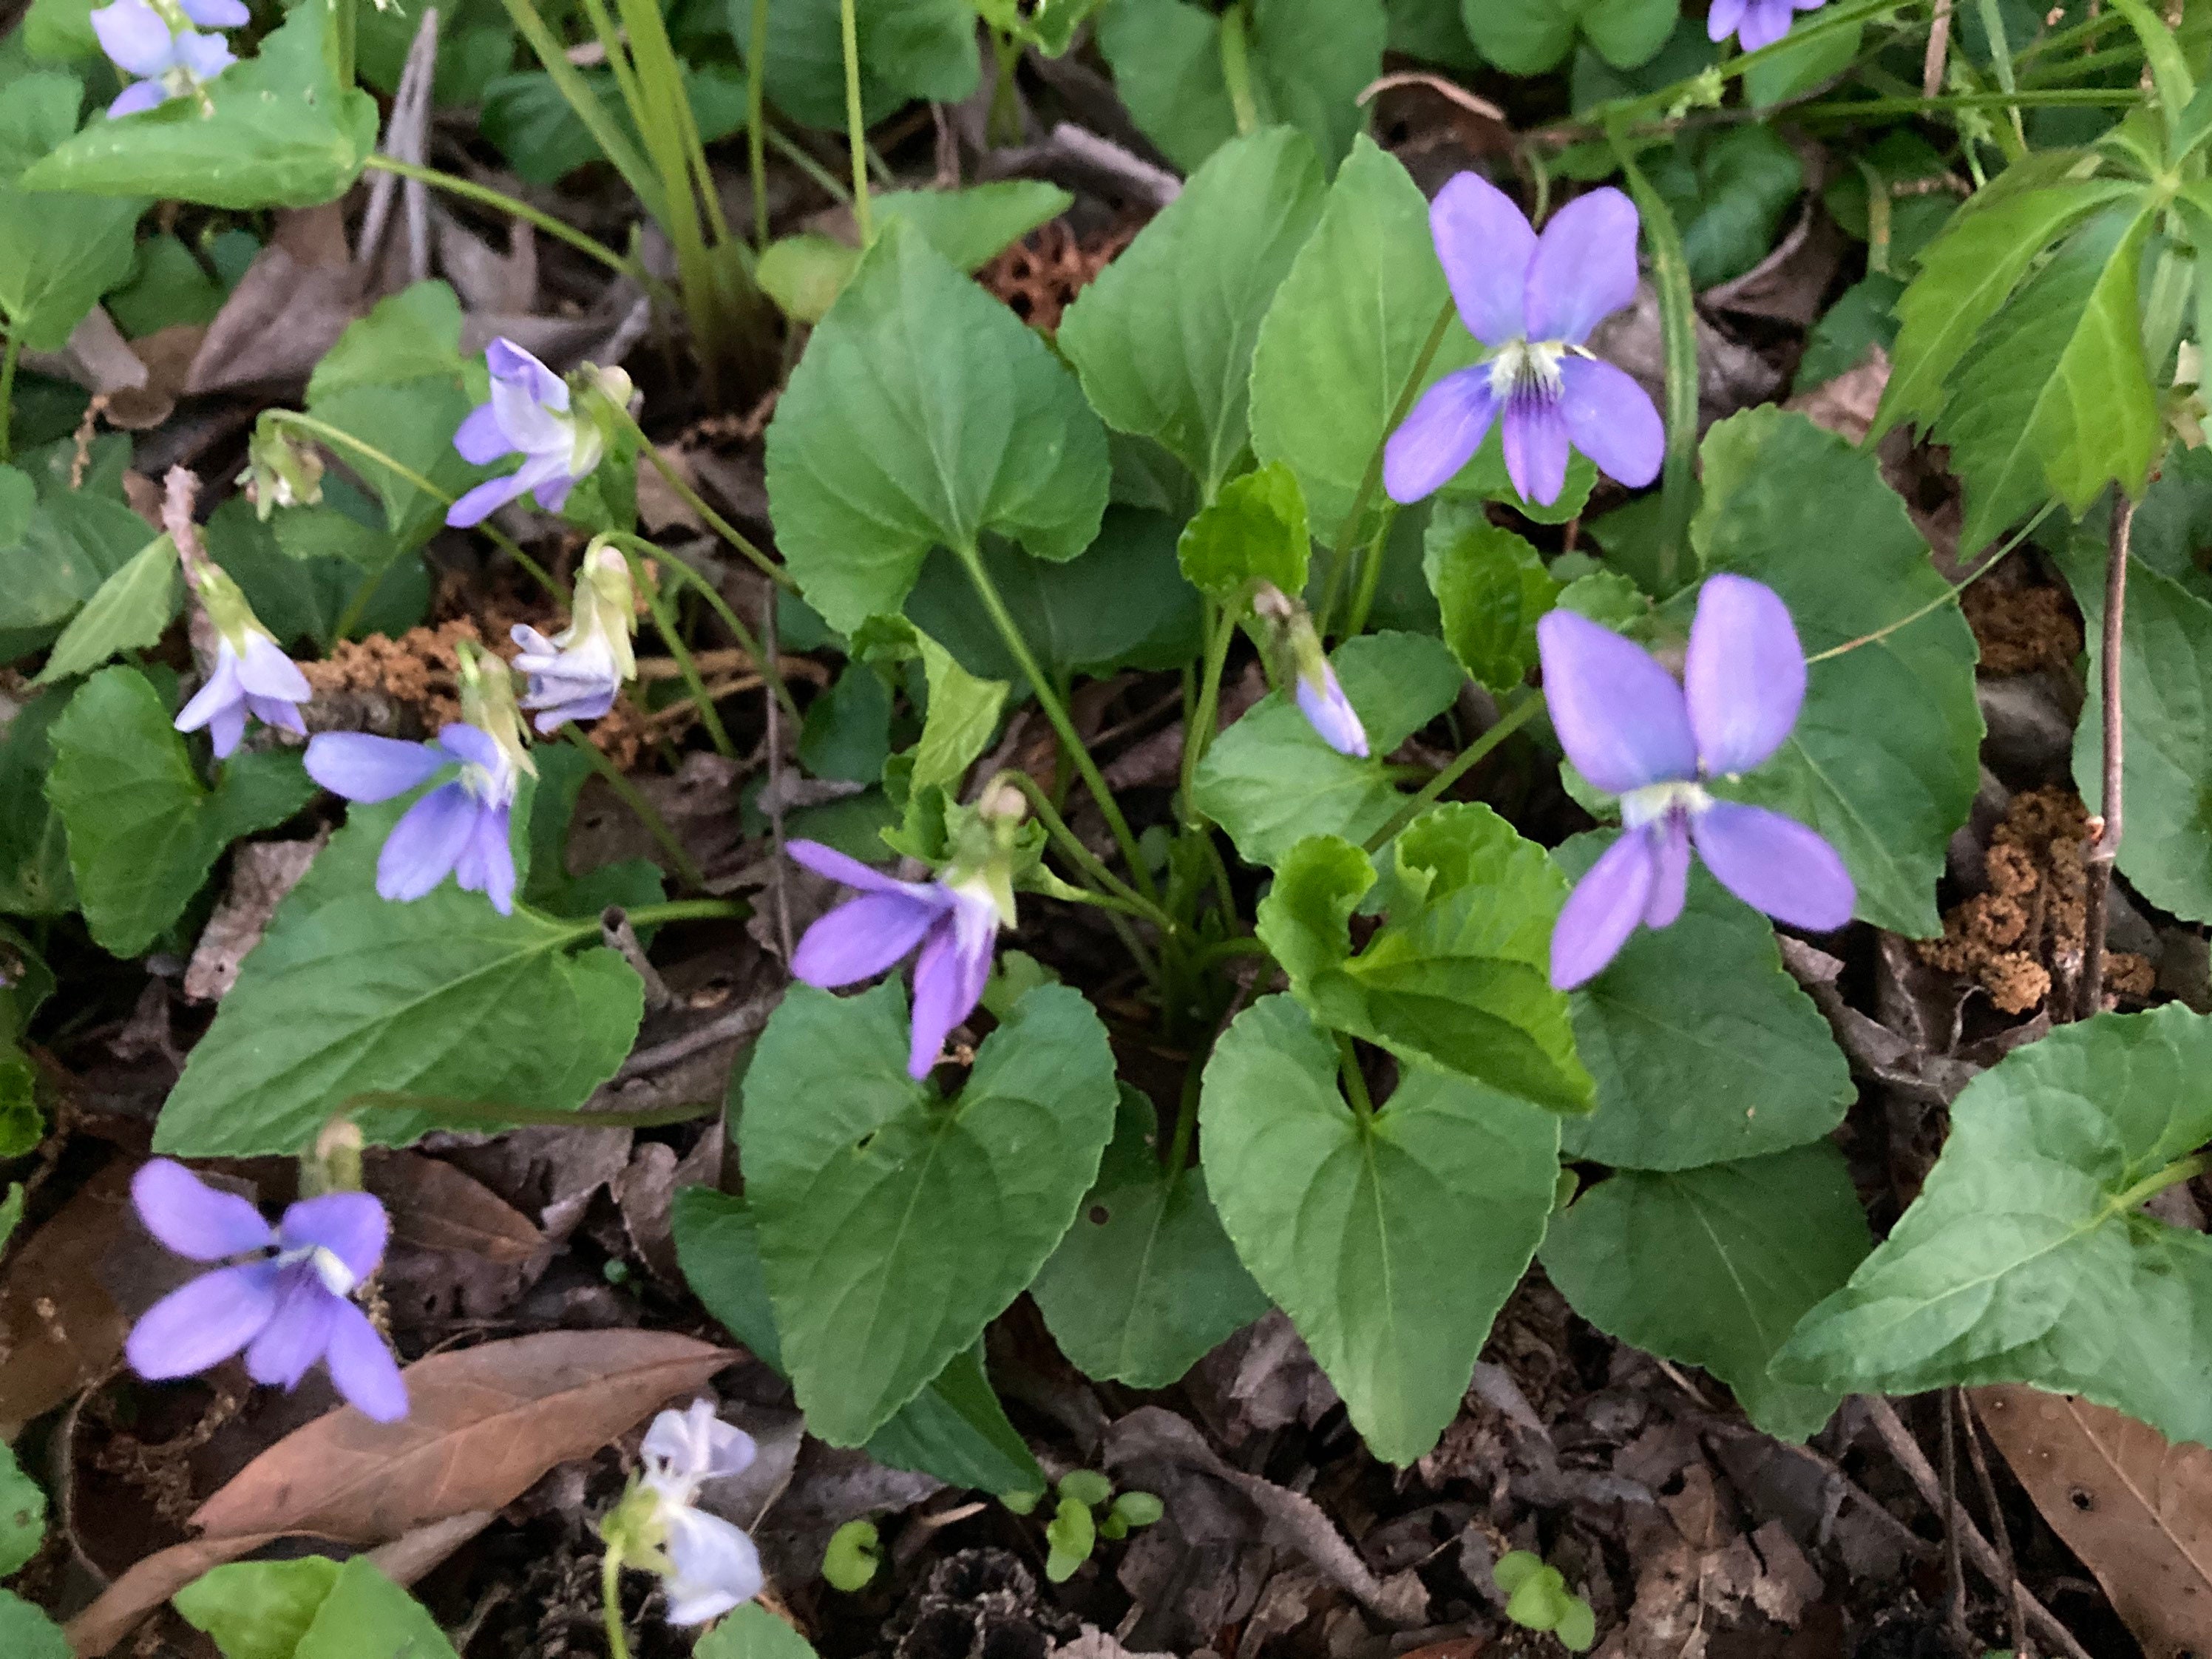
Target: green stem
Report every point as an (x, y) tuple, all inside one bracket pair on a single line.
[(469, 190), (1082, 857), (794, 152), (611, 1598), (1511, 721), (1236, 69), (1678, 325), (1056, 711), (1193, 1078), (1370, 577), (687, 867), (495, 1114), (8, 354), (756, 118), (855, 129), (1372, 479), (1004, 121), (2181, 1170), (1197, 727), (770, 670), (2051, 97), (2014, 139), (713, 521), (1948, 594), (665, 619), (553, 57), (1355, 1080)]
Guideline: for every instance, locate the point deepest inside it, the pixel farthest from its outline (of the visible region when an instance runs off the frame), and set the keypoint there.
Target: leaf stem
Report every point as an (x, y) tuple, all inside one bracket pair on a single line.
[(2014, 141), (2089, 997), (1197, 727), (1678, 328), (1511, 721), (468, 189), (713, 521), (756, 118), (1185, 1124), (687, 867), (493, 1113), (1355, 1080), (1236, 69), (9, 357), (855, 129), (1947, 597), (664, 619), (771, 670), (1082, 857), (2181, 1170), (610, 1599), (1370, 575), (1055, 710)]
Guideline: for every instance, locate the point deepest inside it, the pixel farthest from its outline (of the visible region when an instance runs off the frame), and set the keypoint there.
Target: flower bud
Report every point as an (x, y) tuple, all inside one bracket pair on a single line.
[(488, 703), (282, 470)]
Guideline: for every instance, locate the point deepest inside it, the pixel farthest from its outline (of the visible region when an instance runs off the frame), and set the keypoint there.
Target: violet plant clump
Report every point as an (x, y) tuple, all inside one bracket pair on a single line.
[(1532, 300), (1633, 731), (288, 1304), (158, 43)]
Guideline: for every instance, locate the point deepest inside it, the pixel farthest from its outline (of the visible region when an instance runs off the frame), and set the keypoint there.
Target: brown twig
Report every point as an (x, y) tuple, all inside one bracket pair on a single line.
[(2016, 1617), (2089, 997), (1914, 1462), (1939, 51), (1954, 1575), (619, 936)]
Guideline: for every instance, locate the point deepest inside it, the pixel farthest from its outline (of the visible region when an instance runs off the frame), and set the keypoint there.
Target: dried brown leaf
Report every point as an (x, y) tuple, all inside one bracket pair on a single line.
[(2137, 1510), (436, 1207), (60, 1329)]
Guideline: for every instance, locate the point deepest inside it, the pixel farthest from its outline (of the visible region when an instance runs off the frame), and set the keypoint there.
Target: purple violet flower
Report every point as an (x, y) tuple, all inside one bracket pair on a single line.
[(260, 680), (1755, 23), (459, 829), (1532, 300), (574, 675), (1330, 713), (710, 1564), (956, 924), (287, 1309), (172, 63), (528, 415), (1634, 732)]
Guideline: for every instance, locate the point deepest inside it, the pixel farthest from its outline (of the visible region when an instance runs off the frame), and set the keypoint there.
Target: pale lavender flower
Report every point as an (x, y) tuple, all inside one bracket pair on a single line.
[(171, 63), (1330, 713), (956, 924), (528, 415), (1755, 23), (1532, 300), (1633, 732), (288, 1307), (574, 675), (260, 680), (710, 1564), (459, 829)]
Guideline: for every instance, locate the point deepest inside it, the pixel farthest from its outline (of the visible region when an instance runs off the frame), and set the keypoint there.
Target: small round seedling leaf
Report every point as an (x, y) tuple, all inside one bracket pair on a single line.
[(1086, 1486), (850, 1562)]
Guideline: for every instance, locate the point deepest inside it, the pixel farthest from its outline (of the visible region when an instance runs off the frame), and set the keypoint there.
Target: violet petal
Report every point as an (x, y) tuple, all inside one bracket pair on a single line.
[(1611, 419), (1534, 436), (860, 939), (838, 866), (265, 671), (1602, 911), (1775, 864), (1745, 675), (352, 1227), (1483, 242), (136, 38), (192, 1218), (226, 726), (1724, 18), (1584, 267), (296, 1334), (1620, 716), (486, 499), (204, 1323), (426, 843), (222, 690), (363, 1368), (1331, 714), (1440, 436), (949, 978), (367, 769), (717, 1566), (1669, 839), (137, 97), (486, 864), (206, 56), (481, 439)]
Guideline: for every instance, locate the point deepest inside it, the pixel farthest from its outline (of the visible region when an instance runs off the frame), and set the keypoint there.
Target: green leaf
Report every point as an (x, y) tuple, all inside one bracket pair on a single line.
[(310, 1608), (1966, 275), (852, 1559), (2166, 687), (1432, 31), (1269, 780), (1515, 1568), (964, 713), (1117, 605), (955, 1428), (751, 1631), (349, 994), (1727, 188), (34, 872), (1254, 532), (2027, 1257), (1883, 762), (2056, 399), (28, 1633), (1527, 37), (22, 1511), (1072, 1534), (411, 335), (909, 50), (169, 286), (58, 254), (847, 731), (1704, 1048), (283, 132), (922, 415), (1145, 1283), (1391, 1241), (11, 1212), (972, 227), (1163, 337), (129, 611), (57, 559), (143, 832), (22, 1126), (1308, 61), (1714, 1267), (1457, 978), (895, 1224), (1347, 326), (1492, 587)]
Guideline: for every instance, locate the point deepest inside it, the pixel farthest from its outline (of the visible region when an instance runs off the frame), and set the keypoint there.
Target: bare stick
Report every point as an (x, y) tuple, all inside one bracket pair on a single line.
[(620, 936), (2089, 998), (2016, 1617), (1954, 1612), (1939, 51), (1914, 1462)]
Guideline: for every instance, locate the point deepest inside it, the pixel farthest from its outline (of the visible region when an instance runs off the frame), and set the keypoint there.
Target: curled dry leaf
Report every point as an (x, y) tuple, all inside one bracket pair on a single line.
[(485, 1423), (60, 1329), (2137, 1510), (436, 1207)]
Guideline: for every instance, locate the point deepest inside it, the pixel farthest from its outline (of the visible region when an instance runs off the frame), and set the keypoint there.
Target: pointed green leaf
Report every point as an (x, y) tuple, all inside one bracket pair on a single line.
[(895, 1224), (1884, 759), (1391, 1241), (1527, 37), (1254, 532), (1714, 1267), (751, 1631), (972, 227), (1163, 337), (310, 1608), (143, 831), (58, 254), (922, 415), (129, 611), (1145, 1283), (2027, 1257), (964, 712)]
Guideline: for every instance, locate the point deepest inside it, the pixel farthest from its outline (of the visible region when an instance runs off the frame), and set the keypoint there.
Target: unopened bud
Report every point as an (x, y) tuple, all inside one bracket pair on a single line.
[(280, 468)]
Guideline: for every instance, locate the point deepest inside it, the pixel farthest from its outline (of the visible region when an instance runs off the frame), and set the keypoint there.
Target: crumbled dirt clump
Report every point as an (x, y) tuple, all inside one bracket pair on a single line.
[(2022, 629), (414, 673), (2030, 924), (1041, 274)]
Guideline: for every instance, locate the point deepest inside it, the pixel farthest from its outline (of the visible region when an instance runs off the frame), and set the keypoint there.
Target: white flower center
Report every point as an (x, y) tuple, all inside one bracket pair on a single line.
[(326, 1264), (493, 788), (1527, 368), (1656, 800)]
